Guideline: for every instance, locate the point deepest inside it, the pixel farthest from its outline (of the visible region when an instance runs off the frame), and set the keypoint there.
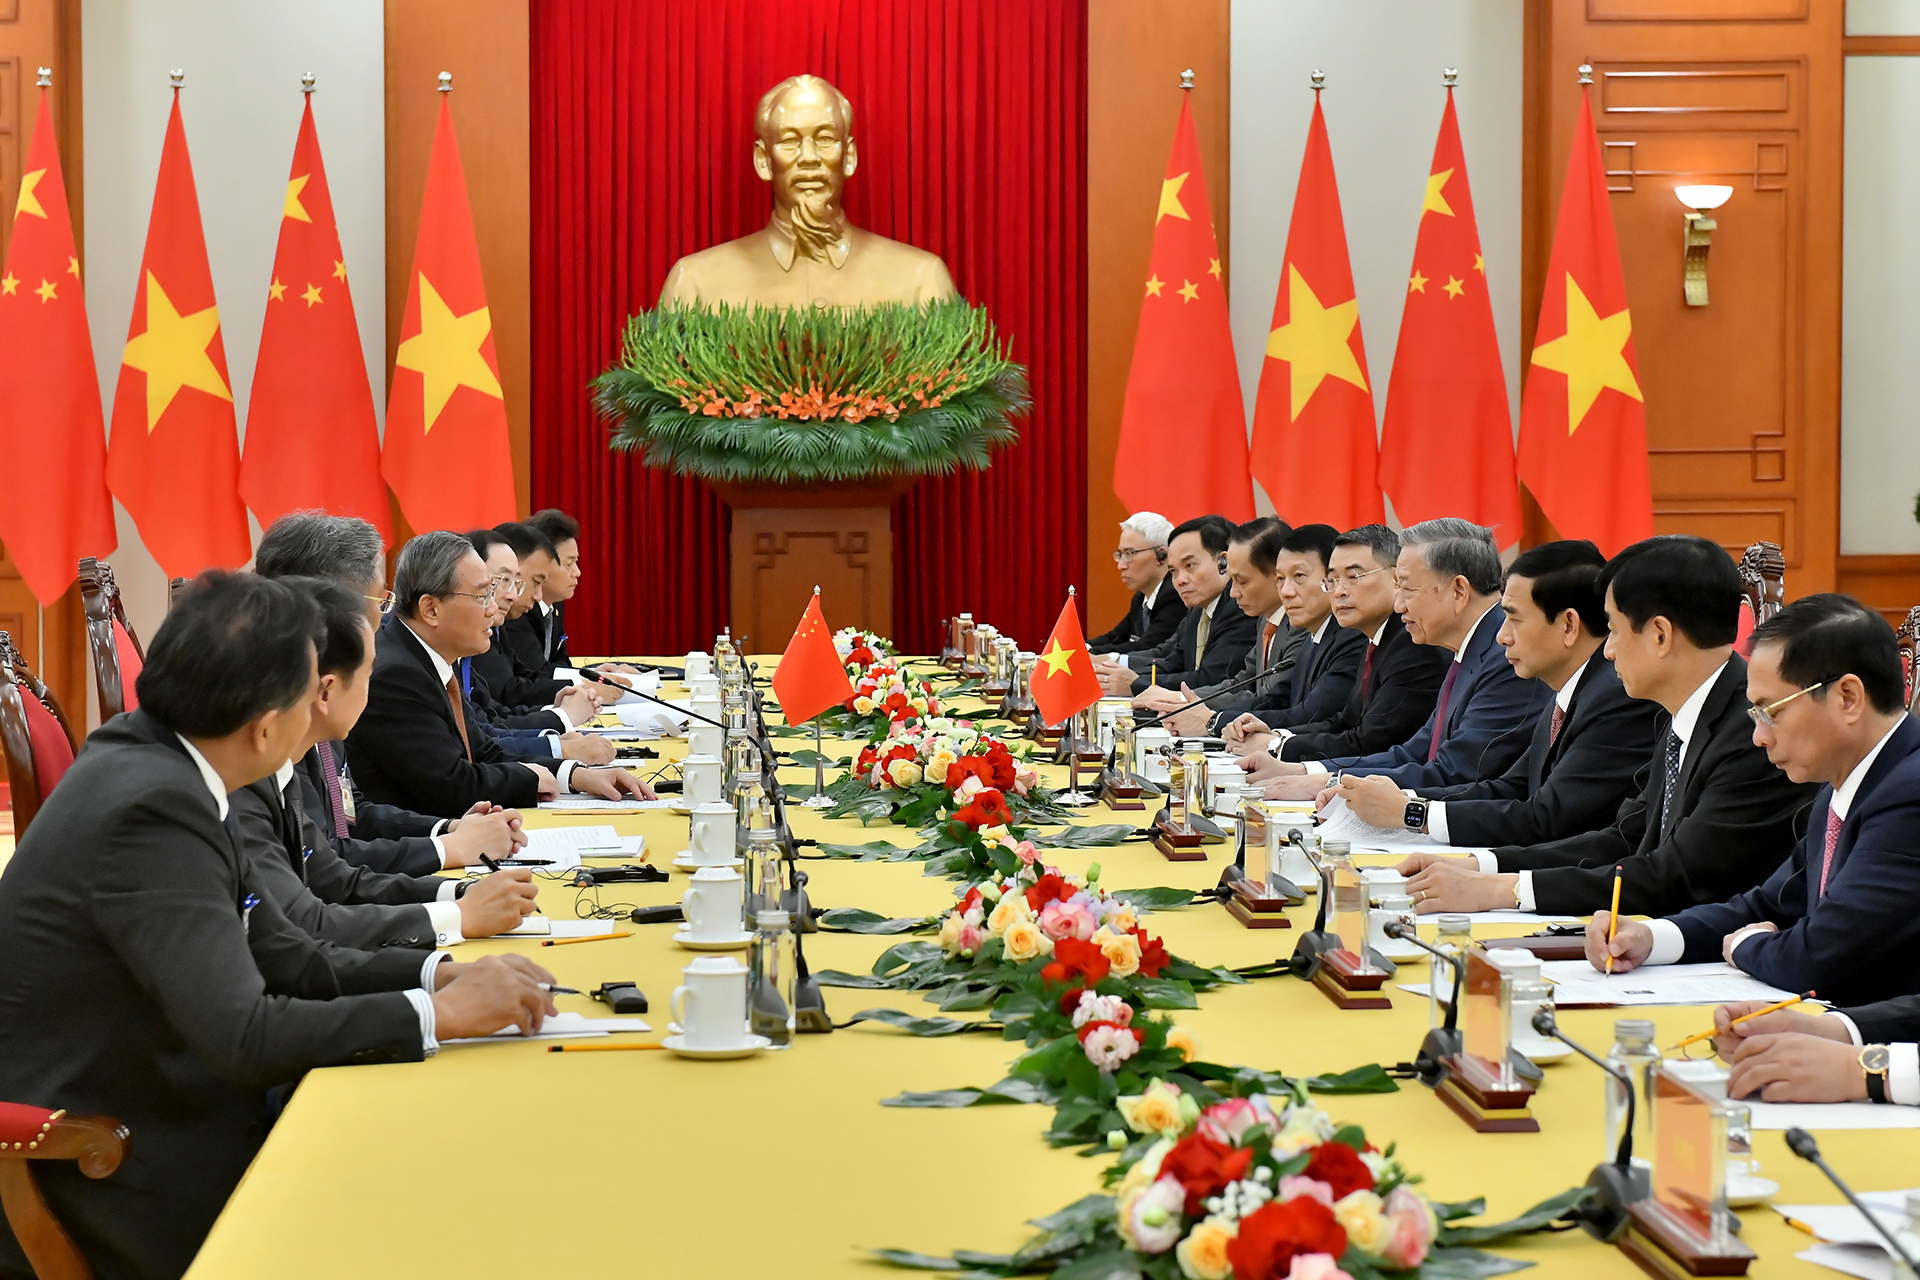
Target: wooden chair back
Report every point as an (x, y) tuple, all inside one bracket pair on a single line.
[(98, 1144), (1909, 636), (117, 655), (1763, 575), (35, 737)]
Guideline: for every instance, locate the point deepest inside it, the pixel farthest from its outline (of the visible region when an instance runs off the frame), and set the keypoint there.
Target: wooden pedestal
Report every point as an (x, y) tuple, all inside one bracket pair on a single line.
[(1121, 791), (990, 691), (1175, 844), (1546, 948), (1338, 977), (786, 539), (1471, 1092), (1667, 1247), (1257, 910)]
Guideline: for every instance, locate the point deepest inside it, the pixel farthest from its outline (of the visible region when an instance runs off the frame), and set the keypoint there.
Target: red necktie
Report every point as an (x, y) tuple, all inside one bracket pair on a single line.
[(459, 721), (1553, 729), (1833, 840), (336, 803), (1266, 641), (1366, 670), (1440, 712)]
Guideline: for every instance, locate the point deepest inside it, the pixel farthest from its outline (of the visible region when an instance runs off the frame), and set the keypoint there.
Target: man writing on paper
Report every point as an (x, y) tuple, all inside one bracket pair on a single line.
[(1156, 610), (1826, 693), (1585, 753)]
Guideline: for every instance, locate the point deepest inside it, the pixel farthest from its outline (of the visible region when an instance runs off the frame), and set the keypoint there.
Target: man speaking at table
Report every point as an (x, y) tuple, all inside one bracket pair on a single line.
[(133, 985)]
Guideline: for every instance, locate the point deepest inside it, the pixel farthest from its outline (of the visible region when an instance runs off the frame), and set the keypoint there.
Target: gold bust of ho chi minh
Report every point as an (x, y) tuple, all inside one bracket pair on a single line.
[(809, 254)]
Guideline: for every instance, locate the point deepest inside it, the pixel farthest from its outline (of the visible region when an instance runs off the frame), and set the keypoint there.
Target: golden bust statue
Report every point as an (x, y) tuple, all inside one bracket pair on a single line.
[(809, 254)]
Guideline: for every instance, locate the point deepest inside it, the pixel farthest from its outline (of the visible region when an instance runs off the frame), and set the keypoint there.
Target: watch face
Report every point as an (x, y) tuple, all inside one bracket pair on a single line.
[(1876, 1058)]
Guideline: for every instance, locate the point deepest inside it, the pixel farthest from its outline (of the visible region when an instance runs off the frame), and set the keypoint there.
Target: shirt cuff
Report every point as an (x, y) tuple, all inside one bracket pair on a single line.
[(1489, 864), (1903, 1075), (1316, 766), (440, 850), (1669, 944), (1523, 892), (564, 774), (444, 917), (1121, 658), (1852, 1030), (1437, 822), (422, 999), (449, 890), (1741, 934), (560, 714), (552, 739)]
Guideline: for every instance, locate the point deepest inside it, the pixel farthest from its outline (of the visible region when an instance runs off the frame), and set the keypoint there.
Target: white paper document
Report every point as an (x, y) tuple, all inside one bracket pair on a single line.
[(594, 804), (1337, 822), (1833, 1115), (1577, 982), (561, 1026), (563, 847), (537, 926)]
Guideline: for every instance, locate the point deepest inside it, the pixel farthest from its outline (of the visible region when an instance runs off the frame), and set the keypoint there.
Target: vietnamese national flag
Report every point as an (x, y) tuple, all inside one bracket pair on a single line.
[(1315, 446), (174, 458), (1183, 429), (446, 452), (58, 508), (1583, 424), (1447, 445), (1063, 680), (810, 678), (312, 441)]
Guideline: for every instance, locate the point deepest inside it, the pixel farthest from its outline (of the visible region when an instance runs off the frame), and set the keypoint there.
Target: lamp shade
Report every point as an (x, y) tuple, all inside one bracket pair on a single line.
[(1703, 198)]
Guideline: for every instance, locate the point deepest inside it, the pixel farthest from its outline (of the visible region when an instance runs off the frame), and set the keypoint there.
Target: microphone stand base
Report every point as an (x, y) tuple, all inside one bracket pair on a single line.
[(1668, 1247), (1340, 977), (1487, 1106), (1256, 913), (1075, 799), (817, 800), (1120, 791)]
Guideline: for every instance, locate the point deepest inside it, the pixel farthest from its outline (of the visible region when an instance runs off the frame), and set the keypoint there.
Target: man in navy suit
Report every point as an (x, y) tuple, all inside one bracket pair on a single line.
[(1448, 583), (1826, 694)]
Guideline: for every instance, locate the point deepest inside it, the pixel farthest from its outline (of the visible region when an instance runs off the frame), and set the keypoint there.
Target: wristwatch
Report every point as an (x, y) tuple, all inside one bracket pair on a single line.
[(1415, 818), (1874, 1061)]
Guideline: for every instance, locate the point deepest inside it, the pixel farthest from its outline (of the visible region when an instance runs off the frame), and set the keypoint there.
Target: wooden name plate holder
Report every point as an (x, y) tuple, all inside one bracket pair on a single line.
[(1337, 973), (1257, 907), (1177, 843), (1068, 746), (1040, 731), (1474, 1094), (1122, 790), (1668, 1245), (990, 691)]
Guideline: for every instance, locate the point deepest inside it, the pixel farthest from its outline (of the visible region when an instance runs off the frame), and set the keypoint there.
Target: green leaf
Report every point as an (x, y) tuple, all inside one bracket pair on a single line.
[(808, 757), (840, 978), (1008, 1092), (1160, 898), (1119, 1264), (1532, 1220), (921, 1026), (1371, 1078), (1098, 837), (915, 1261), (1467, 1264), (856, 920), (1165, 993)]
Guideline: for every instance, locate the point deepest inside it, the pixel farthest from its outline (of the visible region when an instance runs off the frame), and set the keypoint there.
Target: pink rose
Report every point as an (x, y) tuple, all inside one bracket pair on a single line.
[(1316, 1266), (971, 936), (1412, 1225), (1107, 1046), (1066, 920), (1293, 1186), (1098, 1008), (1227, 1122), (1153, 1216), (1028, 854)]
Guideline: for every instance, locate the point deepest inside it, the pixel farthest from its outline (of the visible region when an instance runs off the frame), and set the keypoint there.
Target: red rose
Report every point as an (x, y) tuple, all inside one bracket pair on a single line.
[(864, 765), (968, 767), (1074, 958), (1000, 765), (1048, 888), (1204, 1167), (971, 901), (1274, 1234), (989, 808), (1340, 1167), (1153, 954)]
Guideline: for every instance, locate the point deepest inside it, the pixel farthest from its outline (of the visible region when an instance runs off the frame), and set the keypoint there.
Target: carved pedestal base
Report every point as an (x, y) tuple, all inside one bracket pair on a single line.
[(1338, 977), (1471, 1092), (1256, 909), (1667, 1247), (1177, 844), (1121, 791)]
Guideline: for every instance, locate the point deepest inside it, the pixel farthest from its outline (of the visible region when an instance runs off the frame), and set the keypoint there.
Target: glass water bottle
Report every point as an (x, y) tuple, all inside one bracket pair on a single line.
[(761, 871), (770, 979), (1632, 1054), (1454, 937)]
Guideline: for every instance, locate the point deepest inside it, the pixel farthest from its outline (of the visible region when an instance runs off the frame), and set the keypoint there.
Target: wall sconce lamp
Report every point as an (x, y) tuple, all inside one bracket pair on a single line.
[(1699, 234)]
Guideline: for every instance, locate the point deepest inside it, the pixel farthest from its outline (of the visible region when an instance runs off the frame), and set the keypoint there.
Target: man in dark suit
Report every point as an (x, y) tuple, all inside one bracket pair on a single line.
[(146, 981), (512, 683), (1212, 639), (1398, 680), (1584, 756), (1868, 1053), (1253, 551), (1715, 816), (1322, 669), (1448, 594), (418, 744), (1827, 693), (1156, 610)]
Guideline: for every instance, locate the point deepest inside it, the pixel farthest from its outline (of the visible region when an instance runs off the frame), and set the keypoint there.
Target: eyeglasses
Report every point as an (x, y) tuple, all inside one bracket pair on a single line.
[(384, 601), (484, 597), (1764, 715), (1123, 555), (1334, 582), (516, 582)]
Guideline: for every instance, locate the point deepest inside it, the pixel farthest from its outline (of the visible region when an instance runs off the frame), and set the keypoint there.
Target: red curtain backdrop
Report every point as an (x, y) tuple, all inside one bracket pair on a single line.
[(970, 119)]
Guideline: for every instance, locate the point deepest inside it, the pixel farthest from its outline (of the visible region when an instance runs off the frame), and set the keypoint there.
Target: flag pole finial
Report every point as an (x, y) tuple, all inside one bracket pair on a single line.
[(46, 78), (178, 76), (1586, 73), (1186, 78), (816, 588), (446, 82), (1071, 592), (1450, 77), (307, 83), (1319, 79)]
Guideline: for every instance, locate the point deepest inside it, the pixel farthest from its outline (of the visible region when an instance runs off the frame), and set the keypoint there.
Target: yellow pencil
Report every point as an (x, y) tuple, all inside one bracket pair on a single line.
[(1798, 1225), (598, 937), (1613, 918), (1698, 1036), (600, 1048)]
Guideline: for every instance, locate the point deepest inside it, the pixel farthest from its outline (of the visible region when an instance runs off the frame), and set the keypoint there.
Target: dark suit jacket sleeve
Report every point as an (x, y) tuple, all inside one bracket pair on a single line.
[(411, 854), (164, 897), (1491, 732), (1323, 699), (334, 879), (1400, 704), (1889, 1021), (404, 740), (1229, 637), (1120, 639), (295, 963)]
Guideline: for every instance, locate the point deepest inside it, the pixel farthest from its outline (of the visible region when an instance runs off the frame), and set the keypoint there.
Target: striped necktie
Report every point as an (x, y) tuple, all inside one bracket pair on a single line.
[(336, 804), (1440, 713)]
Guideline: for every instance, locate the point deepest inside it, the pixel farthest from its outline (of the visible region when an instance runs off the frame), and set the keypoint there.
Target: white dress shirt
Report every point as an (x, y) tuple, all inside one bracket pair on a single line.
[(443, 671), (1437, 811)]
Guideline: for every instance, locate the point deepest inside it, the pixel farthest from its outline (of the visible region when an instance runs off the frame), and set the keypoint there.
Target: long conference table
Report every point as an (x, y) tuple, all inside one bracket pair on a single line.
[(507, 1160)]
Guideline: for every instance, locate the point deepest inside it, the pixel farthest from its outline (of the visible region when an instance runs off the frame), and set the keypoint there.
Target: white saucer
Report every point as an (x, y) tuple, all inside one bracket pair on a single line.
[(747, 1048), (1744, 1193), (685, 862), (1551, 1051), (1409, 956), (692, 943)]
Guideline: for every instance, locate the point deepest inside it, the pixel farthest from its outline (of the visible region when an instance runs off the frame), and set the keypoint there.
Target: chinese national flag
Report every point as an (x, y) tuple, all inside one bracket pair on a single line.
[(57, 508), (1447, 446), (1583, 426), (446, 452), (1183, 430), (1063, 679), (174, 458), (311, 437), (1315, 449), (810, 677)]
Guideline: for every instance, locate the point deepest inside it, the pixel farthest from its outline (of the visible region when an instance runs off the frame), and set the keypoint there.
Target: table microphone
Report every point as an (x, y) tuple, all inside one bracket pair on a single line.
[(590, 674), (1235, 687), (1801, 1143), (1445, 1040), (1604, 1215)]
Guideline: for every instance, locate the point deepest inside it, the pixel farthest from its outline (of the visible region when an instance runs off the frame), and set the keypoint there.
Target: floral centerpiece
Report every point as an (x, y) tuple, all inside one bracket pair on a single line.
[(935, 767), (1258, 1187), (861, 649), (885, 696)]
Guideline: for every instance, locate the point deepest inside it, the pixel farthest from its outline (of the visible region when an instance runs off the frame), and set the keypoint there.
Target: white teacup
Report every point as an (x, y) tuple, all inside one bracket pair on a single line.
[(703, 686), (710, 834), (698, 664), (1383, 882), (709, 709), (710, 1007), (1149, 744), (715, 905), (705, 739), (700, 775)]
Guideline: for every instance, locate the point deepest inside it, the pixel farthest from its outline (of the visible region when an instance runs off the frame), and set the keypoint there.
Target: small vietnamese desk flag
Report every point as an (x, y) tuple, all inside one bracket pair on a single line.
[(810, 678), (50, 423), (1183, 428), (1583, 424), (312, 441), (1315, 449), (1063, 679), (1446, 448), (174, 458), (446, 453)]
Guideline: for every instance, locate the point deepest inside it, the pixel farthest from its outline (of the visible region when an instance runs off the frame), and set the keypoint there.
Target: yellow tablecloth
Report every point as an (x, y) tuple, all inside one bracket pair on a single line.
[(507, 1160)]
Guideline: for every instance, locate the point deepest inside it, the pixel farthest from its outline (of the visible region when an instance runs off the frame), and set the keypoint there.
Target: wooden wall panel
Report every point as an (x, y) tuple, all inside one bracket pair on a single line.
[(1743, 405), (1890, 584), (1136, 50), (33, 34)]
